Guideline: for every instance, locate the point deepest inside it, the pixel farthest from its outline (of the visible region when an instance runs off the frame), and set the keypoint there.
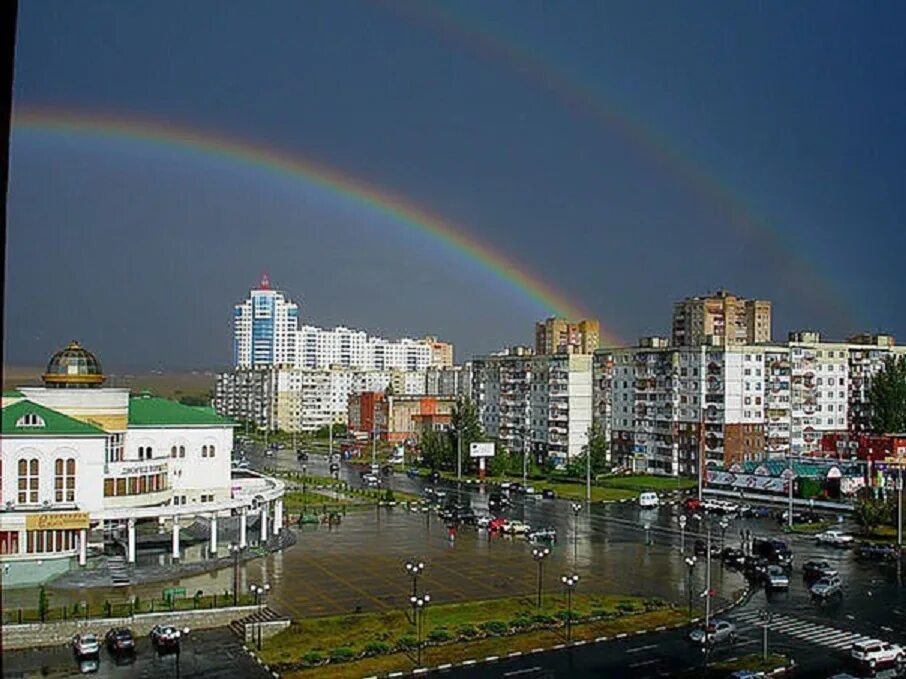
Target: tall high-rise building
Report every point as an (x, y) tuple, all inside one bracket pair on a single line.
[(721, 320), (559, 336), (264, 328)]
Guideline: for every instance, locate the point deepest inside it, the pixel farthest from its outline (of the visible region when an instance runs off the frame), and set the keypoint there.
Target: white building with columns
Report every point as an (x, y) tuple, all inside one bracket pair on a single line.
[(81, 463)]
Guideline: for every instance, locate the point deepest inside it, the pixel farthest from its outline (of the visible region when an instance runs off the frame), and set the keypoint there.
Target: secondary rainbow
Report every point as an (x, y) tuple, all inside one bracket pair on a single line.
[(267, 158)]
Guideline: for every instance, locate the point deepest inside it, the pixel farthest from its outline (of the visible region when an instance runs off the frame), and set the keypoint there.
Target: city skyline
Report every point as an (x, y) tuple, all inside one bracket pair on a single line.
[(485, 170)]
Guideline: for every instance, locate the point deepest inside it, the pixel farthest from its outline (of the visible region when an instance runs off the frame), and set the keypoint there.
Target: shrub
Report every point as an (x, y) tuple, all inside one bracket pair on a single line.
[(626, 607), (600, 613), (377, 648), (312, 658), (564, 614), (439, 635), (543, 619), (654, 604), (467, 631), (494, 627), (406, 642), (520, 622), (341, 654)]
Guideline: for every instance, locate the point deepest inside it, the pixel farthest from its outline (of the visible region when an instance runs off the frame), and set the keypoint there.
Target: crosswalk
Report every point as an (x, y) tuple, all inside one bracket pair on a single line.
[(820, 635)]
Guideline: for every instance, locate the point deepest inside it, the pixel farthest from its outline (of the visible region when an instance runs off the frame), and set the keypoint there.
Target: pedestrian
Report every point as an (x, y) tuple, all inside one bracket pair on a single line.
[(742, 540)]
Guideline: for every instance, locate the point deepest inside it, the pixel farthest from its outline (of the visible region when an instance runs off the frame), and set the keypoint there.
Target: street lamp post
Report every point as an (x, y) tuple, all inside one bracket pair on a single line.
[(234, 550), (414, 569), (259, 593), (765, 616), (682, 533), (707, 573), (419, 603), (577, 508), (723, 529), (690, 563), (539, 554), (647, 534), (569, 582)]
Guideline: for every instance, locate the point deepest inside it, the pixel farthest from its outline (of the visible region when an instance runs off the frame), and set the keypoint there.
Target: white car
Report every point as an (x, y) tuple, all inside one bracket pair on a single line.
[(86, 645), (483, 520), (648, 500), (777, 578), (505, 485), (530, 490), (835, 538), (516, 528), (876, 653)]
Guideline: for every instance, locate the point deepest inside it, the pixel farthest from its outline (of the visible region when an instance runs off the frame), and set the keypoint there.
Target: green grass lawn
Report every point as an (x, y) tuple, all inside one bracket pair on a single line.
[(810, 528), (647, 482), (359, 632)]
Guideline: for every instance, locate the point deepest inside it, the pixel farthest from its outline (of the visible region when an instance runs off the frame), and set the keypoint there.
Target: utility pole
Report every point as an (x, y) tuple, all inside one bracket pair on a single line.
[(792, 476), (588, 472), (330, 439), (459, 448), (701, 449), (708, 582)]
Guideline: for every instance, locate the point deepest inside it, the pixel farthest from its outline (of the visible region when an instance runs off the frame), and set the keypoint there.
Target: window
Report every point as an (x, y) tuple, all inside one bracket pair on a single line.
[(9, 542), (28, 481), (210, 451), (64, 480), (30, 420), (204, 451), (182, 451), (173, 451)]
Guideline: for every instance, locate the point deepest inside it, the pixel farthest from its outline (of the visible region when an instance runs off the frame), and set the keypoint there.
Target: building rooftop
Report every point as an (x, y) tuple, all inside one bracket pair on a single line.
[(27, 418), (146, 410)]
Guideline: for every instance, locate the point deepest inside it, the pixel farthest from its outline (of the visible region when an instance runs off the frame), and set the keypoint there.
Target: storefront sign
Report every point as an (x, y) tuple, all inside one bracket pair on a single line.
[(138, 469), (56, 521)]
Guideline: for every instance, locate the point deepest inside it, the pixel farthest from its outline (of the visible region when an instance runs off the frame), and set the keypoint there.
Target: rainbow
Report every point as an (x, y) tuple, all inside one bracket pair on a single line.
[(586, 99), (254, 154)]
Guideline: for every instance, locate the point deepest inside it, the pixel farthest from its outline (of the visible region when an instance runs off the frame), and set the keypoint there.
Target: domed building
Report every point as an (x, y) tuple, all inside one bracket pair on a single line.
[(82, 464)]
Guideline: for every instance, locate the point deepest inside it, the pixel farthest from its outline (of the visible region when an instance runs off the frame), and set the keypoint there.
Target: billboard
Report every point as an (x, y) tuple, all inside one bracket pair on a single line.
[(481, 450), (57, 521)]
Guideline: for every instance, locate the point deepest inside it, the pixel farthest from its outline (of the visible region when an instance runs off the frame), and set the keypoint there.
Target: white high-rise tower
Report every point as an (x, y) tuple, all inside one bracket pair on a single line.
[(264, 328)]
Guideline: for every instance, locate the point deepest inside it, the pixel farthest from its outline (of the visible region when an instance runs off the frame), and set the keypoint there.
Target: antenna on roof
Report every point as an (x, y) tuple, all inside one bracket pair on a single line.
[(265, 282)]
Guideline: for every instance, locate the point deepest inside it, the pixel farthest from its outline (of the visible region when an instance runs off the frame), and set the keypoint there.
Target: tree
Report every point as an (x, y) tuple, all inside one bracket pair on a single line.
[(597, 446), (464, 422), (43, 603), (871, 512), (887, 396), (436, 451)]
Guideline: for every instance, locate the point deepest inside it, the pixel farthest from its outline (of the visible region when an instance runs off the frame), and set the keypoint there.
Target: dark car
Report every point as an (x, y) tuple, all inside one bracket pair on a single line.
[(164, 636), (301, 456), (516, 488), (777, 552), (815, 570), (701, 548), (498, 500), (735, 558), (548, 494), (466, 516), (755, 568), (869, 552), (434, 477), (120, 640)]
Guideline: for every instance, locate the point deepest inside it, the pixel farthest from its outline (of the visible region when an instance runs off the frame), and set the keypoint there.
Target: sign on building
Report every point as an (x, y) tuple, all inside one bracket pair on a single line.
[(56, 521)]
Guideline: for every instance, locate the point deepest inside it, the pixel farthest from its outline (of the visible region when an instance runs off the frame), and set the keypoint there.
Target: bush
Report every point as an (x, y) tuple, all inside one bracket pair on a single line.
[(654, 604), (467, 631), (626, 607), (406, 642), (600, 613), (543, 619), (312, 658), (439, 635), (341, 654), (494, 627), (520, 622), (377, 648)]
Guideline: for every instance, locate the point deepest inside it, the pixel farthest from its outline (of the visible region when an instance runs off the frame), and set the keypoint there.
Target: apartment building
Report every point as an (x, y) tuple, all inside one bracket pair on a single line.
[(558, 335), (398, 418), (537, 405), (722, 319), (347, 348), (449, 381), (264, 328)]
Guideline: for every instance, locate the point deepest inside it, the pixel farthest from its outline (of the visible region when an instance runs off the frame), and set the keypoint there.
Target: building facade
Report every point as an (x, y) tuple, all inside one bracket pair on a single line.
[(398, 418), (557, 335), (264, 328), (722, 319)]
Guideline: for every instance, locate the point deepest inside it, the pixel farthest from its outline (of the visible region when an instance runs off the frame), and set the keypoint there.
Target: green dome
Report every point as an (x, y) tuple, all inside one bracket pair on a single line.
[(73, 367)]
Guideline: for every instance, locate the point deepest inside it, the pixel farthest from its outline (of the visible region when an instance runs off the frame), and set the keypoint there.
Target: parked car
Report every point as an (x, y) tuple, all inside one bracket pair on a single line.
[(548, 494), (735, 558), (755, 568), (371, 480), (776, 578), (530, 490), (647, 500), (835, 538), (86, 645), (814, 570), (466, 516), (543, 535), (869, 552), (692, 504), (719, 506), (302, 456), (827, 587), (516, 488), (516, 527), (505, 485), (498, 500), (119, 640), (413, 473), (718, 631), (751, 512), (434, 477), (876, 653), (164, 636)]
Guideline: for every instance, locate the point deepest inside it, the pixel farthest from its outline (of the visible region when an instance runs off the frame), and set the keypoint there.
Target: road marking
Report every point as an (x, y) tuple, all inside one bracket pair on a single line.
[(527, 670), (639, 649), (642, 663)]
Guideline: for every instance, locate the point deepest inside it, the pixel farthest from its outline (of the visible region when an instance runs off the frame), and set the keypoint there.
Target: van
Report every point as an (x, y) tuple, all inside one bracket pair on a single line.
[(648, 500)]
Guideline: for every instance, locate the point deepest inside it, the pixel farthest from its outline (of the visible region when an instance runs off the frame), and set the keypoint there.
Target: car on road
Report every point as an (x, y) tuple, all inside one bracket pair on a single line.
[(750, 512), (119, 640), (302, 456), (542, 535), (516, 488), (774, 550), (718, 631), (505, 485), (466, 516), (719, 507), (875, 653), (835, 538), (516, 527), (647, 500), (498, 500), (164, 636), (371, 480), (827, 587), (732, 557), (434, 477), (86, 645), (814, 570), (530, 490), (413, 473), (776, 578), (549, 494), (498, 524), (484, 520), (755, 568), (869, 552), (692, 504), (701, 548)]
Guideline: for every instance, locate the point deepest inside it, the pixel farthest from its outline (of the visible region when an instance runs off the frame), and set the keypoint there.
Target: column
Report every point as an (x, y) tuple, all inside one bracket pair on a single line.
[(278, 516), (130, 554), (243, 524), (264, 522), (214, 534), (175, 537), (83, 546)]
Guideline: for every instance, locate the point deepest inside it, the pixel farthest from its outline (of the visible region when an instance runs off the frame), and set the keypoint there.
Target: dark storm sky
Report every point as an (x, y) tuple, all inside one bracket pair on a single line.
[(767, 157)]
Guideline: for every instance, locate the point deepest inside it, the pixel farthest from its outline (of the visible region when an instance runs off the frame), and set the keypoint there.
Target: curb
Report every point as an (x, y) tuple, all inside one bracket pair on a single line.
[(254, 656)]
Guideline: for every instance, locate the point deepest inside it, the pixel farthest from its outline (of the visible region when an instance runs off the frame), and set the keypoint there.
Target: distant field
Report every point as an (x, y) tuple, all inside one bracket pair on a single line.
[(168, 385)]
